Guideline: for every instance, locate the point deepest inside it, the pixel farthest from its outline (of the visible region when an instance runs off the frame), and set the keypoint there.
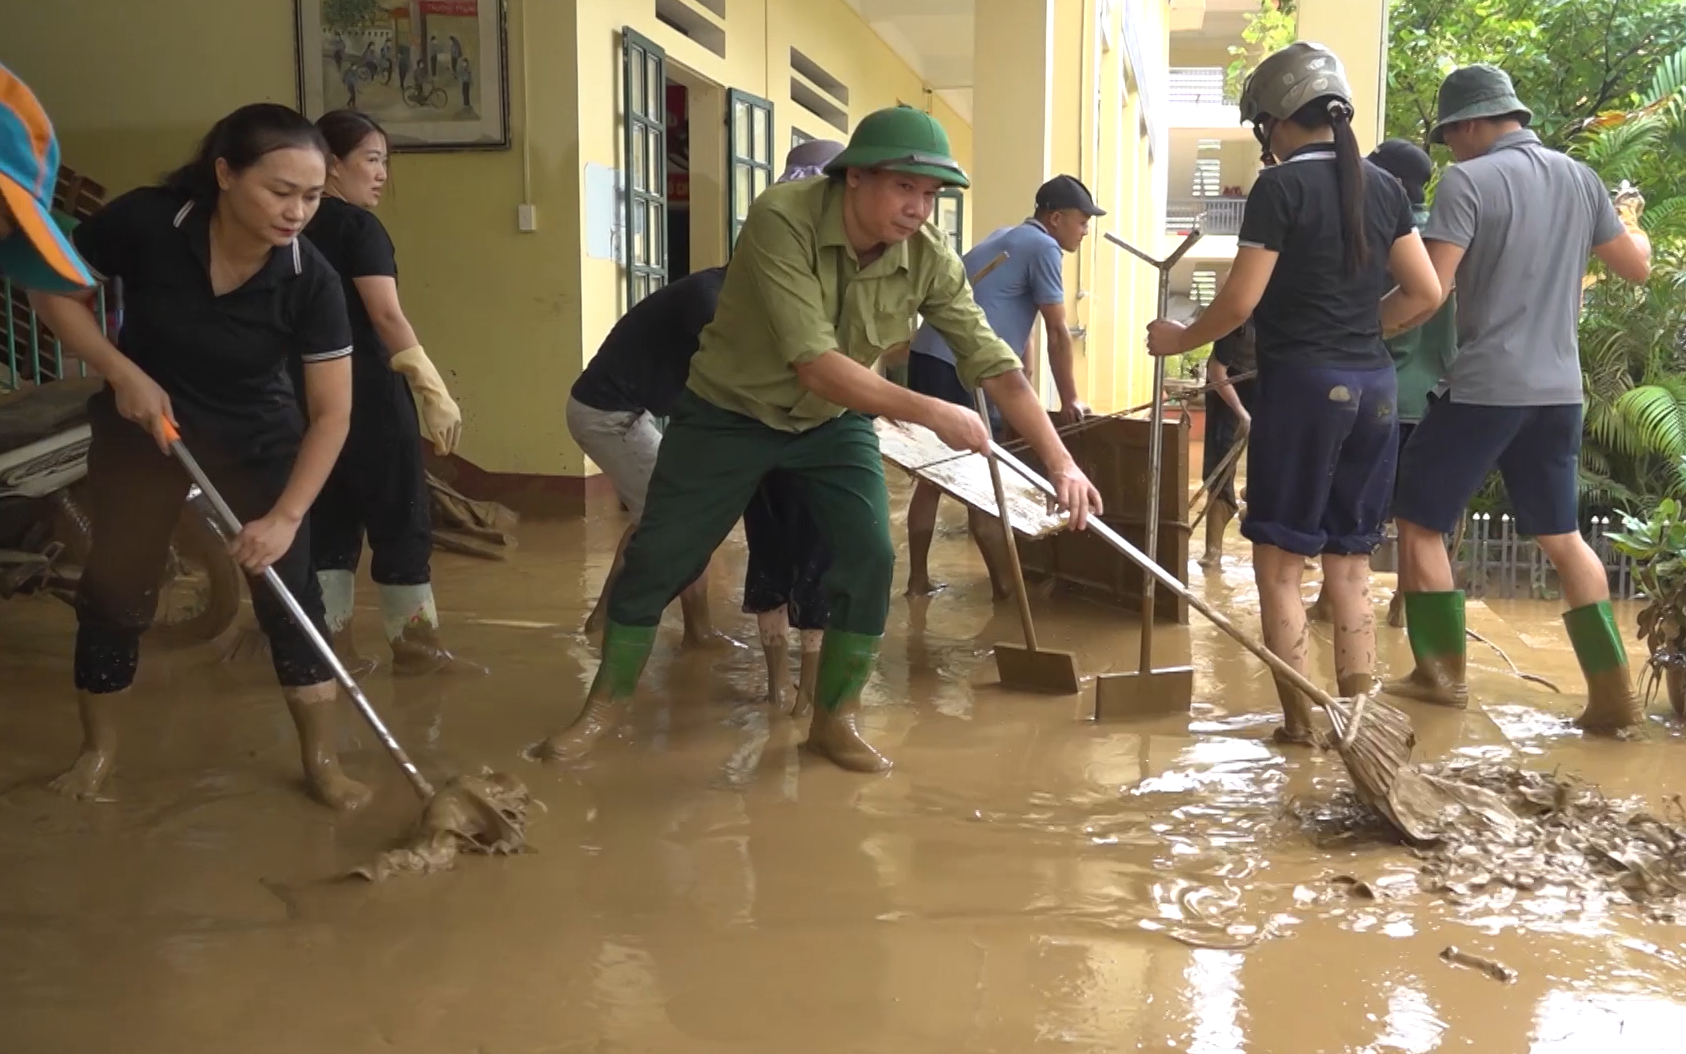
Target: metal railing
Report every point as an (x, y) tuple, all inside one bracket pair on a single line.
[(31, 354), (1199, 86), (1220, 216), (1495, 561)]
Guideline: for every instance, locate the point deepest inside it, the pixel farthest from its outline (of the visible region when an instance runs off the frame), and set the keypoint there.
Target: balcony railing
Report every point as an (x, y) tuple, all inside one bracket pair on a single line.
[(1199, 86), (1209, 215)]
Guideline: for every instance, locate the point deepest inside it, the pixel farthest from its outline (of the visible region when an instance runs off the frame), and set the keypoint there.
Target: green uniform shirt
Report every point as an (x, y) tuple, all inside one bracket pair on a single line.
[(1423, 355), (794, 291)]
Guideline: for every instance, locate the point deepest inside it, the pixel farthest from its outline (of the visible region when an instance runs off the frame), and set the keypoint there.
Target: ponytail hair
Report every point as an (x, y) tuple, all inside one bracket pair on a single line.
[(1336, 113), (241, 140)]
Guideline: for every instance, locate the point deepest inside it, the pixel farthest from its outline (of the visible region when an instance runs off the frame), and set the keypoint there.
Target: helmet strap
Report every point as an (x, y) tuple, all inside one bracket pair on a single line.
[(1262, 134)]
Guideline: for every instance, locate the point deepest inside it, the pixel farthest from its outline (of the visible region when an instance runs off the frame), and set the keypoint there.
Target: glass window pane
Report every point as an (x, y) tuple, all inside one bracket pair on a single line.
[(762, 178), (638, 164), (640, 240), (655, 90), (658, 239), (657, 161), (740, 129), (634, 83), (763, 135), (743, 191)]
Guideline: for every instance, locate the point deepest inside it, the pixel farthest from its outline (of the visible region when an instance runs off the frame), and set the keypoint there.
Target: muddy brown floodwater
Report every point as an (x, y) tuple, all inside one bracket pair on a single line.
[(1023, 881)]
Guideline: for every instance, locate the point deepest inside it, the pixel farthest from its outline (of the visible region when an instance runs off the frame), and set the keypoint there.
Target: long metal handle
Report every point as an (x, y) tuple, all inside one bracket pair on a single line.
[(229, 526), (1011, 542), (1156, 441), (1277, 665)]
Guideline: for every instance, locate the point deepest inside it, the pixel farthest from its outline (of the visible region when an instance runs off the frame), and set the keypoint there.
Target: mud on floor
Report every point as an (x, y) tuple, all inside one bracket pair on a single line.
[(1023, 881)]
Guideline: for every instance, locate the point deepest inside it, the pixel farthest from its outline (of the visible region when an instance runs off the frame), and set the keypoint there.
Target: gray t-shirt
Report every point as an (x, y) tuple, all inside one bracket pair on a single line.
[(1528, 218)]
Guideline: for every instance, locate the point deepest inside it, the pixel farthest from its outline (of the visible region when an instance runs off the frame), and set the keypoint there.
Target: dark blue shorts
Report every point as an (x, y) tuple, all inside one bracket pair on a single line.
[(1320, 460), (1219, 435), (1536, 449), (929, 375)]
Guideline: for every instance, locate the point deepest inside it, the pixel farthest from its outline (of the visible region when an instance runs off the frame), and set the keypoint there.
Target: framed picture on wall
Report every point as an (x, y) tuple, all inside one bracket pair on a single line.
[(434, 73)]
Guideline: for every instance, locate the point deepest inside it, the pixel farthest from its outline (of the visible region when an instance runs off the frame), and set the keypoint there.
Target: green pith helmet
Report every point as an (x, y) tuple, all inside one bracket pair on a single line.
[(901, 139), (1285, 81)]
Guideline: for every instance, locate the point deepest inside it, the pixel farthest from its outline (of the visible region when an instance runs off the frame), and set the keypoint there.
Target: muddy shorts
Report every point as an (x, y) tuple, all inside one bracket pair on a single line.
[(1320, 460), (623, 443), (710, 466), (1536, 449), (929, 375), (788, 556)]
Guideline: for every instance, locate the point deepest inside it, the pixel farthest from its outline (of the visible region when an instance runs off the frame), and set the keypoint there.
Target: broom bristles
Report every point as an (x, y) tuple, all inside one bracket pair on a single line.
[(1374, 740)]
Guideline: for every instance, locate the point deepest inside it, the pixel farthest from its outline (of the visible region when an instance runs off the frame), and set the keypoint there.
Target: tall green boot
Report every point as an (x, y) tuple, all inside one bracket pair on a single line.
[(846, 661), (1610, 703), (625, 651), (1434, 623)]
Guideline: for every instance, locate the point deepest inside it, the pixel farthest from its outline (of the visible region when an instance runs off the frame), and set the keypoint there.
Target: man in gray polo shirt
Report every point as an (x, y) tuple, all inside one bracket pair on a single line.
[(1512, 227)]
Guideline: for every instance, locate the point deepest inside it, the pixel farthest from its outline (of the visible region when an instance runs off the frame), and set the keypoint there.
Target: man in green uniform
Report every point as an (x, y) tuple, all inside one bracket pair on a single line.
[(828, 274)]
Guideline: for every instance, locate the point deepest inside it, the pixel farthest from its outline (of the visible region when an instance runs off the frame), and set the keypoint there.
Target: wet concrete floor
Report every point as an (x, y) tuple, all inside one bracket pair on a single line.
[(1024, 880)]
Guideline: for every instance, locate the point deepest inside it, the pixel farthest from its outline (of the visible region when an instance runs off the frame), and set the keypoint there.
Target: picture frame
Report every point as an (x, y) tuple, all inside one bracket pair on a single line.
[(434, 73)]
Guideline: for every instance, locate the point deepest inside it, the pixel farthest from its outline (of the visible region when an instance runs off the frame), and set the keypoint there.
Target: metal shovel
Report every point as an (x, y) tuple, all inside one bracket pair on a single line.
[(1150, 691), (1026, 669)]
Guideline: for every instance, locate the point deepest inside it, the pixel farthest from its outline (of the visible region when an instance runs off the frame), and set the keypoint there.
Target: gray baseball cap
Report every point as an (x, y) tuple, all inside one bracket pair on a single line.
[(1474, 92)]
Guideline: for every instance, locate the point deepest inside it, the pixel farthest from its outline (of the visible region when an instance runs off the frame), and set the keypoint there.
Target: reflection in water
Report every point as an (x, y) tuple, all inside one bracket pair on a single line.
[(1024, 880)]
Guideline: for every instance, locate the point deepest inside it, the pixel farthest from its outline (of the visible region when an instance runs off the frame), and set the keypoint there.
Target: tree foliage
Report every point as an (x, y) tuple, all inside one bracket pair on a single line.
[(1272, 27), (1571, 59)]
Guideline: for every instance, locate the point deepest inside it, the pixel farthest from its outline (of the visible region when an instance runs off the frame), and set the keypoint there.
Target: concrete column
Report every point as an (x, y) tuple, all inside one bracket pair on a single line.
[(1356, 30), (1012, 109)]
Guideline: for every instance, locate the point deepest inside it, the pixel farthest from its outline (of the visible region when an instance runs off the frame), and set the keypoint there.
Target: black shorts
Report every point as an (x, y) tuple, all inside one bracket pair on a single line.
[(929, 375), (1219, 435), (788, 556), (1536, 449)]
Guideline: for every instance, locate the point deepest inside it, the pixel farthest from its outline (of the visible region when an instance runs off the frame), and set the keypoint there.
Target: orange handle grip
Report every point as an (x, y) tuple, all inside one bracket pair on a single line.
[(170, 433)]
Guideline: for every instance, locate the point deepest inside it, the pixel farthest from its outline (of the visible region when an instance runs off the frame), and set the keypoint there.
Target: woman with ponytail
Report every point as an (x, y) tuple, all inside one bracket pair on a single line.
[(220, 297), (379, 486), (1322, 231)]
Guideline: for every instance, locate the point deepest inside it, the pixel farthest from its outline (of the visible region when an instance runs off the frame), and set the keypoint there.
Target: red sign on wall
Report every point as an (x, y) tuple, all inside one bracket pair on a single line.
[(457, 8)]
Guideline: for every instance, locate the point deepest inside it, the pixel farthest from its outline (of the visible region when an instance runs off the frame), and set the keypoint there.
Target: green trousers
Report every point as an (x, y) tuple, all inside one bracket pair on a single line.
[(710, 462)]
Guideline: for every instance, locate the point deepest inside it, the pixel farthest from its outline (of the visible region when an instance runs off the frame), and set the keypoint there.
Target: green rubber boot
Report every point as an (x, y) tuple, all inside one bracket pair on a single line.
[(1434, 623), (846, 661), (1610, 703), (625, 651)]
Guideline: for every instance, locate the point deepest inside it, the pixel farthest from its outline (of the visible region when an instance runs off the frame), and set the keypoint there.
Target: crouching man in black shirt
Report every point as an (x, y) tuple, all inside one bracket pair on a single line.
[(636, 377)]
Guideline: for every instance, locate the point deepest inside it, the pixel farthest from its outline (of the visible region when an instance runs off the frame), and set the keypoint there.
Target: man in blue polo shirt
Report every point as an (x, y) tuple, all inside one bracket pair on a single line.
[(1029, 283)]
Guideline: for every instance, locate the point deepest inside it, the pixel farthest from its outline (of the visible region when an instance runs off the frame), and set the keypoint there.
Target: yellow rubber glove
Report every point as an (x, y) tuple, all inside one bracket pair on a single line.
[(441, 420)]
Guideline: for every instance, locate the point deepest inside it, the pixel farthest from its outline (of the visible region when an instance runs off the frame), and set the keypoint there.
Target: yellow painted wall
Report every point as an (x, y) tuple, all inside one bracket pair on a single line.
[(509, 317), (131, 88)]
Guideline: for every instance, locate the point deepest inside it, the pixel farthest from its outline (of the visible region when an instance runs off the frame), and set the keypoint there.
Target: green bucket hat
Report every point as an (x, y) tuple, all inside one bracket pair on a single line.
[(1474, 92), (901, 139)]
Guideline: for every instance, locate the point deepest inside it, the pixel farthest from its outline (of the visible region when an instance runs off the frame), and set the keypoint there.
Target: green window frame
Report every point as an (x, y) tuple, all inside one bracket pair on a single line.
[(749, 155), (644, 98)]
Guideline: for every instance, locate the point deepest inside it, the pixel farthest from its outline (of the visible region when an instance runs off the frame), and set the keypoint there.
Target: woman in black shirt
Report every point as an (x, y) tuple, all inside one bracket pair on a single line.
[(380, 483), (1320, 234), (220, 294)]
